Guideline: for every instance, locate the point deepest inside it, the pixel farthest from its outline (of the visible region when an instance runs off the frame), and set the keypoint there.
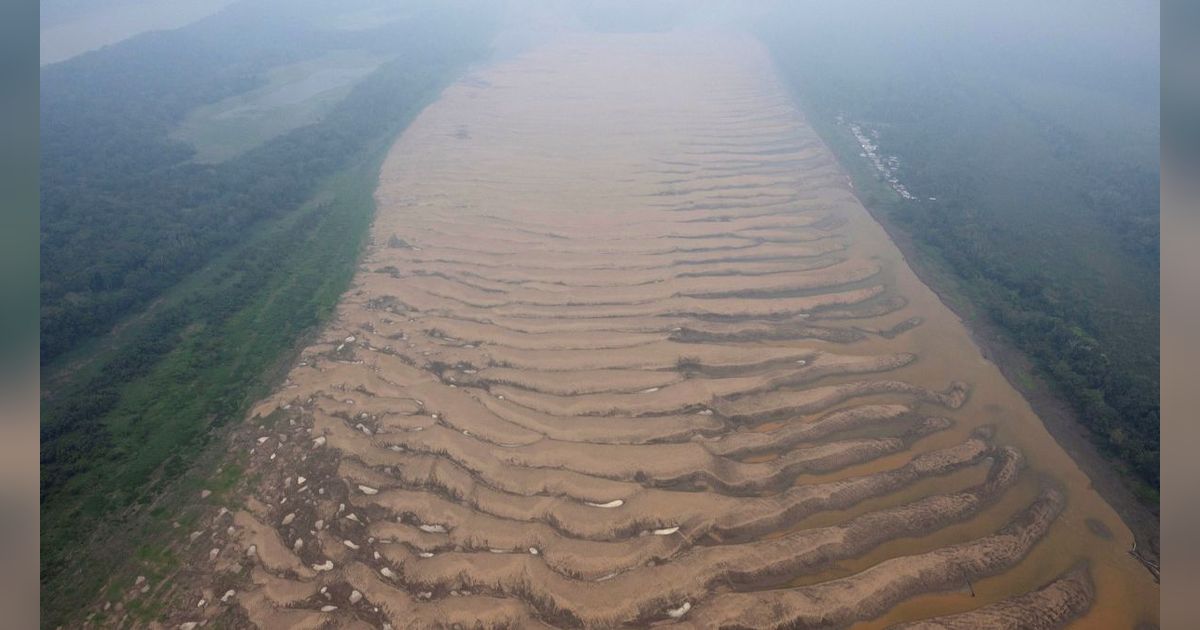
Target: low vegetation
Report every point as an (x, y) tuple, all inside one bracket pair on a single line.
[(211, 273)]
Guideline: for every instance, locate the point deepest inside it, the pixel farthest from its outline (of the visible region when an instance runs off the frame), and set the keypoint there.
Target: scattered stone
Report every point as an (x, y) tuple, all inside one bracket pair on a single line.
[(676, 613)]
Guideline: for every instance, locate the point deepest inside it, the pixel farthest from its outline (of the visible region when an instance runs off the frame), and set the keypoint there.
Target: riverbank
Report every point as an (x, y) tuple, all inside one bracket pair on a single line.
[(1056, 414)]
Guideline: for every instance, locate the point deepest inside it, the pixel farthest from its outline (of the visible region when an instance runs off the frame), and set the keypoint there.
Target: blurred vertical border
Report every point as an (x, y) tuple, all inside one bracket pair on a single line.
[(19, 443), (1180, 311)]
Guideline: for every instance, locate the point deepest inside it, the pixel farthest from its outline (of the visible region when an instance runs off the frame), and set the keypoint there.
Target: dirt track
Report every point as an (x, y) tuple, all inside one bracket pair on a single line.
[(625, 349)]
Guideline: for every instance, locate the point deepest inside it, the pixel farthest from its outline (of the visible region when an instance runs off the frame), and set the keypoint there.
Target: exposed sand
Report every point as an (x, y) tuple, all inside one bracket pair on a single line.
[(625, 349)]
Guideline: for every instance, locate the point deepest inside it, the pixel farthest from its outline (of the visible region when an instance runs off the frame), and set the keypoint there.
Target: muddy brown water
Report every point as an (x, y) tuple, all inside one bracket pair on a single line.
[(525, 439)]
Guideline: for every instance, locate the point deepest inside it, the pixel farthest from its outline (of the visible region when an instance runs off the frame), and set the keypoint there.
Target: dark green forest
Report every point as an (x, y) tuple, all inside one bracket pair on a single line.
[(1033, 163), (172, 290), (126, 214)]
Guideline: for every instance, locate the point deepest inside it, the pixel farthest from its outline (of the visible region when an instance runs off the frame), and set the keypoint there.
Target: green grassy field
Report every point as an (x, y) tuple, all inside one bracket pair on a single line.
[(230, 266), (293, 95), (269, 294)]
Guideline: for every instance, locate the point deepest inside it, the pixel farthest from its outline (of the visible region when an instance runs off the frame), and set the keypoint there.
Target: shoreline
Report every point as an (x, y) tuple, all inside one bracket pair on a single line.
[(1060, 420)]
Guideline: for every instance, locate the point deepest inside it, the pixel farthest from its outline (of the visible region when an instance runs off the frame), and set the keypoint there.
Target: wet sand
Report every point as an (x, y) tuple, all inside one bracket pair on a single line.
[(625, 349)]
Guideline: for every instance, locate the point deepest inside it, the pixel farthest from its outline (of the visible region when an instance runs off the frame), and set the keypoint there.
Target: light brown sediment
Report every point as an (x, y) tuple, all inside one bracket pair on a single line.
[(864, 595), (1053, 606), (624, 349)]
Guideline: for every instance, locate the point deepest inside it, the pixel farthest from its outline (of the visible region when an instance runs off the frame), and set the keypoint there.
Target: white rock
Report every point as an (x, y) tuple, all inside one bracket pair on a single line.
[(228, 595), (676, 613), (355, 597), (328, 608), (204, 494), (666, 531), (615, 503), (188, 625), (350, 339), (387, 573), (368, 490), (350, 544), (287, 520), (300, 481), (534, 550), (325, 566), (433, 529)]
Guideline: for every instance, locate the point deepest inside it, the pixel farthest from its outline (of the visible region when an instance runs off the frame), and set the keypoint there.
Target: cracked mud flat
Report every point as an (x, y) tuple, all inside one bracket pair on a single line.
[(625, 349)]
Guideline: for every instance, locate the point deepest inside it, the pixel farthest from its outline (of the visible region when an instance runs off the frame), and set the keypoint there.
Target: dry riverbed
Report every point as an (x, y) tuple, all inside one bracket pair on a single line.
[(625, 349)]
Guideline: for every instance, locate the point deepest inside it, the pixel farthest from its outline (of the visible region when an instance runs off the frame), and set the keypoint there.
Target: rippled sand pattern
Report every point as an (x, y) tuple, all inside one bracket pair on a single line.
[(625, 349)]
